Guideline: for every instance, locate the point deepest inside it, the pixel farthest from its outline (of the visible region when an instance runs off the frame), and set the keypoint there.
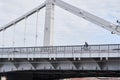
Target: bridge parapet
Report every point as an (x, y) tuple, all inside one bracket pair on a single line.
[(77, 51)]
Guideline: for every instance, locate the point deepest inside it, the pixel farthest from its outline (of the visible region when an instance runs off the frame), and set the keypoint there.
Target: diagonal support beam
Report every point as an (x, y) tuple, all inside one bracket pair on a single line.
[(23, 17), (90, 17)]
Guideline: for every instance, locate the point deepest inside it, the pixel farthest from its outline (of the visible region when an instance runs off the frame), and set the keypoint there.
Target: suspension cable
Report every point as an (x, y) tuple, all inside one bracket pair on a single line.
[(36, 35), (25, 32), (13, 43)]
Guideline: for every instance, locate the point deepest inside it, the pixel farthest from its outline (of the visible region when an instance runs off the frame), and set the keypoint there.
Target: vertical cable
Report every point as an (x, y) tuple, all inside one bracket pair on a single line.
[(13, 43), (36, 35), (25, 32)]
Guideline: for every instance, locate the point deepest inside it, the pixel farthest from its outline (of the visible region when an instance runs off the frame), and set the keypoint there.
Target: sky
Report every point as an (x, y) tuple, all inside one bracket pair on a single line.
[(69, 29)]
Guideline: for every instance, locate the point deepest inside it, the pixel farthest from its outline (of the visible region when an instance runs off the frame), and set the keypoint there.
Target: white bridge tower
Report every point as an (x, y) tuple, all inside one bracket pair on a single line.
[(49, 23)]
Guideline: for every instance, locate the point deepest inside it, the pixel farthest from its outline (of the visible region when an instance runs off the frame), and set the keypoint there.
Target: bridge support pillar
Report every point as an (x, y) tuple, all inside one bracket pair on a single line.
[(49, 23), (3, 78)]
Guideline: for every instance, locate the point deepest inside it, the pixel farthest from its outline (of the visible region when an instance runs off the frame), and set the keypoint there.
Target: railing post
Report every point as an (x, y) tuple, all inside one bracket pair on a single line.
[(34, 52), (81, 51), (73, 53), (64, 51), (100, 52), (27, 53), (118, 49), (89, 48), (13, 54), (2, 52), (108, 52), (56, 51)]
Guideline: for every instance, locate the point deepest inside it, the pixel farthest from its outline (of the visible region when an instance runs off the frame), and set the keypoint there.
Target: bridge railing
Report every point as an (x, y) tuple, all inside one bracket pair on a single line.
[(106, 48)]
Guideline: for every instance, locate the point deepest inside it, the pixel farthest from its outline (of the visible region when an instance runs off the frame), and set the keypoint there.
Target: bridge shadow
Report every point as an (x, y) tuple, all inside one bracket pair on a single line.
[(57, 74)]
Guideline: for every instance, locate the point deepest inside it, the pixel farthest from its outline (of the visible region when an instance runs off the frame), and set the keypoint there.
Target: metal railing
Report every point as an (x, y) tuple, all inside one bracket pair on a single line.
[(105, 48)]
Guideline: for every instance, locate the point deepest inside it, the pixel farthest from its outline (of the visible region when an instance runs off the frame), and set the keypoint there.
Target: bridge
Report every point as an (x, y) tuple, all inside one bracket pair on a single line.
[(50, 62)]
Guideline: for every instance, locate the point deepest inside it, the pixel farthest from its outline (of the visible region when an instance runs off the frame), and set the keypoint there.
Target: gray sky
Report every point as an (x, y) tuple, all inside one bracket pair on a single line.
[(69, 29)]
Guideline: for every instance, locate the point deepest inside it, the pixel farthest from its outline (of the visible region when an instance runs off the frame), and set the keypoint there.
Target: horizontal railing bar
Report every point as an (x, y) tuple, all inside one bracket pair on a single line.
[(61, 46)]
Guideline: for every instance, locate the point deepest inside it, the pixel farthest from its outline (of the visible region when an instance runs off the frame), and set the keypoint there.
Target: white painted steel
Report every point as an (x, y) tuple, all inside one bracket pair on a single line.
[(61, 57), (90, 17), (49, 23), (92, 51), (61, 64), (22, 17)]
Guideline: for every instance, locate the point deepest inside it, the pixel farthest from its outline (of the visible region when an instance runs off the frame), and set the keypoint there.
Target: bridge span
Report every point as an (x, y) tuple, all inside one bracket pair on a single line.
[(56, 62), (50, 62)]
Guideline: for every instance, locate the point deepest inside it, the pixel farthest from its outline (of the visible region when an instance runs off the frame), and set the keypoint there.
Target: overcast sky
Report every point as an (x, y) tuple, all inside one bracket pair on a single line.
[(69, 29)]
